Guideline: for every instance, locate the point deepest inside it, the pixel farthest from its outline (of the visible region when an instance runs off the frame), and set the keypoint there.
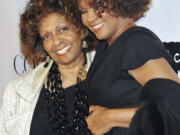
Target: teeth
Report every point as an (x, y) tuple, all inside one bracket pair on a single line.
[(98, 26), (62, 51)]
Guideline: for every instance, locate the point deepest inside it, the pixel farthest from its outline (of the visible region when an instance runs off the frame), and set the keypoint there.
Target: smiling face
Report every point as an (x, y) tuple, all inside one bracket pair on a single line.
[(107, 27), (60, 39)]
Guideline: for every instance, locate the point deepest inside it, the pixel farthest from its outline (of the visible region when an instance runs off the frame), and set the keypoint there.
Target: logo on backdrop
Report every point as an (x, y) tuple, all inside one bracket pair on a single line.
[(177, 61), (21, 64), (177, 58), (174, 50)]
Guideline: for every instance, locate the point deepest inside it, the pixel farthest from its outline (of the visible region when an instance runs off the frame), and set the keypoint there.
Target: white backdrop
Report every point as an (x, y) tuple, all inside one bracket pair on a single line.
[(163, 18)]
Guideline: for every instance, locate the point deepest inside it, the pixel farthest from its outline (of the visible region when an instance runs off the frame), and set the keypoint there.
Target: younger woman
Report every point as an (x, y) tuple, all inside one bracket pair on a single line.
[(130, 81)]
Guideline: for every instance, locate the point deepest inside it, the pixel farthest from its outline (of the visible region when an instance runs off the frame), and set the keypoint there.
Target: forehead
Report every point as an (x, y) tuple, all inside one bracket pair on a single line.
[(84, 3), (54, 19)]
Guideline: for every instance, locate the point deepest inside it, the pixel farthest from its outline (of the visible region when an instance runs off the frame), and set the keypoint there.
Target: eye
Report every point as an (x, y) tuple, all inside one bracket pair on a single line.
[(62, 29), (46, 37)]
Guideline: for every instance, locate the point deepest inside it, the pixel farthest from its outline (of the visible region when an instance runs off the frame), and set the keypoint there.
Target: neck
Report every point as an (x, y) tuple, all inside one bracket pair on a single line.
[(123, 26), (69, 72)]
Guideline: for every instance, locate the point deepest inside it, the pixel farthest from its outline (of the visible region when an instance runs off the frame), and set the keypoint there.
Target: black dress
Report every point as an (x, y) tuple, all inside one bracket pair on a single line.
[(108, 81), (40, 124)]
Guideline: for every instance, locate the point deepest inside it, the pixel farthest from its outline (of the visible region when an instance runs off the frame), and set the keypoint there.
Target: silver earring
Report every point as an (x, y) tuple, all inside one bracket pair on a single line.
[(84, 44)]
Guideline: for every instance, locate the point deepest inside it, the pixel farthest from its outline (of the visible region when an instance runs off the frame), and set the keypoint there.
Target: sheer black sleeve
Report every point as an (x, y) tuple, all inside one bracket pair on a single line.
[(161, 115)]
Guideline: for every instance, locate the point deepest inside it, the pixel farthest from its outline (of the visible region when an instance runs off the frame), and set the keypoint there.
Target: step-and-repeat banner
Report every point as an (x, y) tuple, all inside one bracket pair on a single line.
[(163, 18)]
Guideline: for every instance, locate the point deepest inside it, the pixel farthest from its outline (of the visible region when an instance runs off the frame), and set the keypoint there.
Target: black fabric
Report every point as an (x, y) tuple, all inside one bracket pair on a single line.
[(40, 124), (108, 81), (161, 116), (140, 46)]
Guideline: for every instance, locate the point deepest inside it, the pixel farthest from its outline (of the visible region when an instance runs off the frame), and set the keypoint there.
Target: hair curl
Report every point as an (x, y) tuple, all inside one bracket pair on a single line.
[(35, 10), (134, 9)]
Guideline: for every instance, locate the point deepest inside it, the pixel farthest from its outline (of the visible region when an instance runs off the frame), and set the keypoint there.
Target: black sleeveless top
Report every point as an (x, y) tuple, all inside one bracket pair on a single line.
[(108, 81), (40, 124)]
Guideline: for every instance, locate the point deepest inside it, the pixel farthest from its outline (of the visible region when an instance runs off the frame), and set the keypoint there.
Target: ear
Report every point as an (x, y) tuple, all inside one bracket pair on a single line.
[(83, 33)]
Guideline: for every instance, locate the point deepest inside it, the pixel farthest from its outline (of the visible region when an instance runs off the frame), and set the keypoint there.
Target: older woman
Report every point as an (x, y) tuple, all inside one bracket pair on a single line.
[(130, 80), (50, 99)]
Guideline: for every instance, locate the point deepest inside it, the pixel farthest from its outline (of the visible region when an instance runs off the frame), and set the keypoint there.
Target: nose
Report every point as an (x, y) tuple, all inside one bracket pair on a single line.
[(56, 40), (91, 16)]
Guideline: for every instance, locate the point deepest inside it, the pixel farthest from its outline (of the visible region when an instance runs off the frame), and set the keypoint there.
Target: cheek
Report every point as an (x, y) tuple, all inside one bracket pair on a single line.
[(46, 46), (77, 44), (84, 20)]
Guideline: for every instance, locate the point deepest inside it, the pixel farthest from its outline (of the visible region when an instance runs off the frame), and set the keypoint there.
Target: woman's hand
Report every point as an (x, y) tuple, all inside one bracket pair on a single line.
[(98, 121), (101, 119)]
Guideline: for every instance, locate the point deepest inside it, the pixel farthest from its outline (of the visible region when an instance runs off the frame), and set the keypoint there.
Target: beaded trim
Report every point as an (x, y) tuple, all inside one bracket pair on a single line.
[(56, 104)]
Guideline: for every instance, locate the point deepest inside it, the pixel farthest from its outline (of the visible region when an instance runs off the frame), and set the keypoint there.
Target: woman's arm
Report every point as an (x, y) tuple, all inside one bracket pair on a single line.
[(103, 119), (157, 68)]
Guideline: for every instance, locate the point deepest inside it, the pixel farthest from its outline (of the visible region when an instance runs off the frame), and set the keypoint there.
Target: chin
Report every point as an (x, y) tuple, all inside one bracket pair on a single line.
[(100, 37)]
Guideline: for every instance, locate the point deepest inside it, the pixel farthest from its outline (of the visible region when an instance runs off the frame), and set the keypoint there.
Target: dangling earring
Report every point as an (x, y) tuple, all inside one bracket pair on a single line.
[(84, 44), (43, 56)]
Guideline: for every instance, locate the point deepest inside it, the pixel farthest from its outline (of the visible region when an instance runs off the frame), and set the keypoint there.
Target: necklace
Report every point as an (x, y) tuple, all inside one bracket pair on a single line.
[(56, 104)]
